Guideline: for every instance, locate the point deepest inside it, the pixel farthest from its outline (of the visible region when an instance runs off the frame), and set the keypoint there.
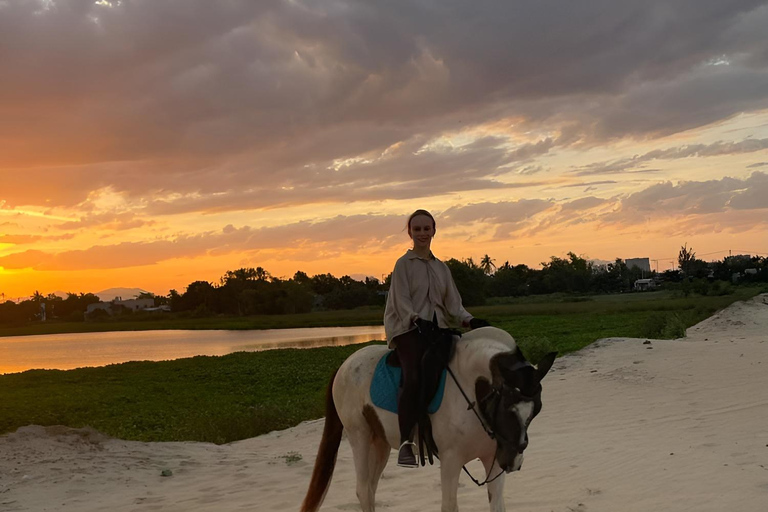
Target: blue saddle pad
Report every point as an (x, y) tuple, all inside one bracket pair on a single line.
[(386, 381)]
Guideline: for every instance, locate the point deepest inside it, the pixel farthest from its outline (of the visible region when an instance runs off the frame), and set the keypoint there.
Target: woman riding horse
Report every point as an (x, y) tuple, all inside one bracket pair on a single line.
[(422, 292)]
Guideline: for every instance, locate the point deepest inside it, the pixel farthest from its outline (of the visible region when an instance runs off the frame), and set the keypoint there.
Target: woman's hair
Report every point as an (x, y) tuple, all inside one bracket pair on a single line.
[(416, 214)]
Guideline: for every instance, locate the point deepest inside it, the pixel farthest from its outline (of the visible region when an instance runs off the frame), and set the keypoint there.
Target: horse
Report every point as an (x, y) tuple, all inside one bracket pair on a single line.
[(485, 413)]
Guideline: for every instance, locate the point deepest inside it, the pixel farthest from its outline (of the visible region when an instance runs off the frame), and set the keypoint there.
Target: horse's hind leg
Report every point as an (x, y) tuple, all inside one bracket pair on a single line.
[(371, 453)]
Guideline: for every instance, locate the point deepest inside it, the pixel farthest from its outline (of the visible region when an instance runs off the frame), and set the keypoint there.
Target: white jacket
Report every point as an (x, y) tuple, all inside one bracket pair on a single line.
[(422, 288)]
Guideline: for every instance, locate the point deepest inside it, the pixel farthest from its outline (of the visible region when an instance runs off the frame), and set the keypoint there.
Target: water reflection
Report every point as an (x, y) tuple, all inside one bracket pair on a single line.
[(334, 341), (67, 351)]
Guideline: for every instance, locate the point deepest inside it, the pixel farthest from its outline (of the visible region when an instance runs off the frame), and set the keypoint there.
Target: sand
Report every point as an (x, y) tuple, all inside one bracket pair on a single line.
[(627, 425)]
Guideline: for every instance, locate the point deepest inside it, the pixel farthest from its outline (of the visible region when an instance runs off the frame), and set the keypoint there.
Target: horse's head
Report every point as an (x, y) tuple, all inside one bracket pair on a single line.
[(511, 401)]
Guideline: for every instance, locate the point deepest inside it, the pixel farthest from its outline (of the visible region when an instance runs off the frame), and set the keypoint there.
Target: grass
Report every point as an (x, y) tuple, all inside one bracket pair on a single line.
[(214, 399), (241, 395)]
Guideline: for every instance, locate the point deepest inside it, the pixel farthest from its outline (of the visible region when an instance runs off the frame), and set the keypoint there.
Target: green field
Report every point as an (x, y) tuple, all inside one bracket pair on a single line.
[(222, 399)]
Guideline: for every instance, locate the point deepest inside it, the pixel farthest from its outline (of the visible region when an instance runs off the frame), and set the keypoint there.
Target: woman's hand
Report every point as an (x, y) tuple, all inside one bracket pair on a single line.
[(424, 326), (476, 323)]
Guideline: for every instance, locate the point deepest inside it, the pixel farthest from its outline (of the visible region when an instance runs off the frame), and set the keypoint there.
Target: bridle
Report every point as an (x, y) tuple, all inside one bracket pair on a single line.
[(496, 394)]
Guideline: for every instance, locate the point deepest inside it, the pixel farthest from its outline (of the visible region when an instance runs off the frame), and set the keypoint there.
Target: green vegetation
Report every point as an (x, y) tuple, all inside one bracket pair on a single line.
[(250, 298), (222, 399)]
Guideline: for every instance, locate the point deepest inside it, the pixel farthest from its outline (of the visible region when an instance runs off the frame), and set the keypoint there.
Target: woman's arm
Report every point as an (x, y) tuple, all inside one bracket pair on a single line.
[(399, 300)]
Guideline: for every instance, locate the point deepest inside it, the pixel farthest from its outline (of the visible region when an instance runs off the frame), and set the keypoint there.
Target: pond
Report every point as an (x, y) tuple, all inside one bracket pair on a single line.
[(67, 351)]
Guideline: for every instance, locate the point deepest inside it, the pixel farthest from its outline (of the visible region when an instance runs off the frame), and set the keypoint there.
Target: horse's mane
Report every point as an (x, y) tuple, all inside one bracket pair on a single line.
[(487, 338), (480, 345)]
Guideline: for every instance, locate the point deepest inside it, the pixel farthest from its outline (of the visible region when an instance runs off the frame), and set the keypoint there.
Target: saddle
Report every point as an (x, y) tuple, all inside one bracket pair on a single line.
[(440, 346)]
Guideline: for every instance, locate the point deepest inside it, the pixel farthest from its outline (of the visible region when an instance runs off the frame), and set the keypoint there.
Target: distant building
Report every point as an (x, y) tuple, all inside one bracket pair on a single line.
[(645, 284), (643, 264), (600, 265), (115, 305), (136, 304)]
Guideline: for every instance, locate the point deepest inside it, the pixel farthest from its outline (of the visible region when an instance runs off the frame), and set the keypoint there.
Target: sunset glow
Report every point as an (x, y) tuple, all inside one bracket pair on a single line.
[(152, 144)]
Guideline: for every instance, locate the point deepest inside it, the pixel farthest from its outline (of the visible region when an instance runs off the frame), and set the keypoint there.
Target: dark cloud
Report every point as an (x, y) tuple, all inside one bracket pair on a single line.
[(637, 163), (107, 221), (585, 203), (197, 97), (588, 184), (696, 198)]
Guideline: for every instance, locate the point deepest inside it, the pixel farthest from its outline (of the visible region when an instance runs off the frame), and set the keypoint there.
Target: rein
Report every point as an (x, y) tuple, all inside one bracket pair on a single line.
[(488, 430)]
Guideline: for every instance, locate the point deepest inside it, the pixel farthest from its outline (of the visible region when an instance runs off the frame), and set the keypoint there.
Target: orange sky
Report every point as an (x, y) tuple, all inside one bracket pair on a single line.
[(137, 151)]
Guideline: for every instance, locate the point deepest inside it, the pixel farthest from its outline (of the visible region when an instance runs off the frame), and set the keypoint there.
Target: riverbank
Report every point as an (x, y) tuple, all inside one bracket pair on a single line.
[(671, 425)]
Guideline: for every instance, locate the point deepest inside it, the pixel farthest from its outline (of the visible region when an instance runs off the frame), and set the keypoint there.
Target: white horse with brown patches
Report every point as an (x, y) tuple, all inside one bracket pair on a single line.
[(492, 373)]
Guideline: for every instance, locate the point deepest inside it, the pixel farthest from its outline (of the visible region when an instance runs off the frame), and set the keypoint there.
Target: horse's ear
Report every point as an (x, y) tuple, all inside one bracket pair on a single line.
[(545, 364)]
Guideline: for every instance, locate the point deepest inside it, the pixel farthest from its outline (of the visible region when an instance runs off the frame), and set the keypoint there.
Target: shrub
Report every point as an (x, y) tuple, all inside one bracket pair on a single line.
[(674, 327), (535, 347)]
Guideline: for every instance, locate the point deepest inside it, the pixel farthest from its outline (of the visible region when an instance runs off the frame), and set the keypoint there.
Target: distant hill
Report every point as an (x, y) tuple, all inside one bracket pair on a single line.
[(126, 293)]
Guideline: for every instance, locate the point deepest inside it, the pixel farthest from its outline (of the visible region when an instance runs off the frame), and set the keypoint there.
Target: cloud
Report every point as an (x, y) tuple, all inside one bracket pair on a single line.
[(345, 233), (107, 221), (636, 163), (197, 99), (686, 207), (31, 239), (692, 198), (585, 203), (506, 217)]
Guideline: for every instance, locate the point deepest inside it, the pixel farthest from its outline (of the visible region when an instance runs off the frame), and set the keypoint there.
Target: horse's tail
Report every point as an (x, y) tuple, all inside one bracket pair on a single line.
[(326, 454)]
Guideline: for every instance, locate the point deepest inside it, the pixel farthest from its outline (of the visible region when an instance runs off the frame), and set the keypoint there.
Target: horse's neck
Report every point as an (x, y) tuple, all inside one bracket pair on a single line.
[(473, 357)]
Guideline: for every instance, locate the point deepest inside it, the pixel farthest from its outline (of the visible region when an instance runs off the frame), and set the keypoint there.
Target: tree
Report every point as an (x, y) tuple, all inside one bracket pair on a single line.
[(509, 281), (684, 259), (470, 280), (488, 265), (567, 275)]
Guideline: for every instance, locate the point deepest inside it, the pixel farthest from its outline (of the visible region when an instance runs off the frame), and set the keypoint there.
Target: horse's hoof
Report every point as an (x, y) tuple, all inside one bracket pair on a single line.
[(405, 456)]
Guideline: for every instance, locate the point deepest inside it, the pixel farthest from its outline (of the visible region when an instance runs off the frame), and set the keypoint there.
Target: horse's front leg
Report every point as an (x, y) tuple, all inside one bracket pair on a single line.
[(450, 469), (495, 488)]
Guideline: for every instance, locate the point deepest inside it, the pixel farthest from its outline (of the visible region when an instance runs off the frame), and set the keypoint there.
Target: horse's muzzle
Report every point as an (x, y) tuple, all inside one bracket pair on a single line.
[(516, 464)]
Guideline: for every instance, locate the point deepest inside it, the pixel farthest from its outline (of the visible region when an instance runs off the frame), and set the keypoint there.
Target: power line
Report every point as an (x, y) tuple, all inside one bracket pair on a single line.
[(745, 253), (752, 252)]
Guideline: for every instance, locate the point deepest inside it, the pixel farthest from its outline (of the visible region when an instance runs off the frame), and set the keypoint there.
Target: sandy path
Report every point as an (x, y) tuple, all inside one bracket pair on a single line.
[(671, 425)]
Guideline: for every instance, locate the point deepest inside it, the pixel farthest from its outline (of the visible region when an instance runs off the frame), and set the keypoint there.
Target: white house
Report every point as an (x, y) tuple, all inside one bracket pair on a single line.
[(645, 284), (132, 304)]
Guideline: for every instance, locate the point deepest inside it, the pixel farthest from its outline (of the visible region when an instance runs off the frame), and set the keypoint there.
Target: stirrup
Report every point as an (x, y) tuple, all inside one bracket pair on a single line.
[(408, 459)]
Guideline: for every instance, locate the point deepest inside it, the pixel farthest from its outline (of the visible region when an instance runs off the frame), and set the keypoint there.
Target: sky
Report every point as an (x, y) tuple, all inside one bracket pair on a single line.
[(153, 143)]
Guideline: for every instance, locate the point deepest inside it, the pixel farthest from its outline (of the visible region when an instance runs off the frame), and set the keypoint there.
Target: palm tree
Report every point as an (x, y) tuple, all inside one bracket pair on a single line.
[(487, 264)]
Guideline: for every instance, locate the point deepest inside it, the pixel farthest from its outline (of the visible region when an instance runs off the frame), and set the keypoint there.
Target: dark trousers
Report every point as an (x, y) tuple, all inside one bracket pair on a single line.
[(410, 350)]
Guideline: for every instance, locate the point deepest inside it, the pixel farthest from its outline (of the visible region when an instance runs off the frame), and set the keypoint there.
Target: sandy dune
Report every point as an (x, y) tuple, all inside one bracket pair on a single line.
[(626, 426)]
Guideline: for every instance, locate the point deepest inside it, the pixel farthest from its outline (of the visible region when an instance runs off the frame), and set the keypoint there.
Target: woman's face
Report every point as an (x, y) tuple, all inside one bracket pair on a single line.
[(422, 231)]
